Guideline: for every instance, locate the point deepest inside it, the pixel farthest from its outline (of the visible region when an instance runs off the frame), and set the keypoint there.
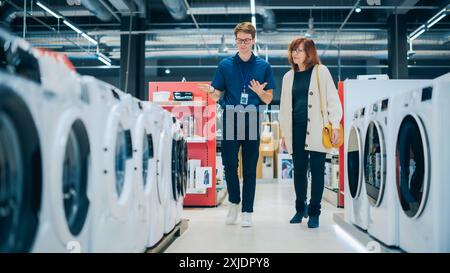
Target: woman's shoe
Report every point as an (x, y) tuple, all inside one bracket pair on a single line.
[(313, 222)]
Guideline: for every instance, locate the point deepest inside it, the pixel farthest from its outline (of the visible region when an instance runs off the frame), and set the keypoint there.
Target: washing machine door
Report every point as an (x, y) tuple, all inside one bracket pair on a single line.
[(147, 157), (375, 163), (75, 177), (412, 164), (175, 168), (20, 174), (354, 162)]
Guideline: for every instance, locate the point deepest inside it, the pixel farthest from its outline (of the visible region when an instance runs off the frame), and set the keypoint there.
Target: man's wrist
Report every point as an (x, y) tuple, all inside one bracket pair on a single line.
[(212, 90)]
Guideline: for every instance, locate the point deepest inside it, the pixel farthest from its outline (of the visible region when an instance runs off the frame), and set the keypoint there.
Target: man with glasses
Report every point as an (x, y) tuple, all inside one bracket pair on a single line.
[(241, 83)]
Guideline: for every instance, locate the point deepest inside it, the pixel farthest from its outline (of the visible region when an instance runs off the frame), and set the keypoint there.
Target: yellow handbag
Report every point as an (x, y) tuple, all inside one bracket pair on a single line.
[(327, 129)]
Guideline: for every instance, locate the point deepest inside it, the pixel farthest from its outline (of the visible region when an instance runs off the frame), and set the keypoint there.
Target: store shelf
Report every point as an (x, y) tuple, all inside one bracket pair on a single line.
[(200, 147), (196, 140), (180, 103)]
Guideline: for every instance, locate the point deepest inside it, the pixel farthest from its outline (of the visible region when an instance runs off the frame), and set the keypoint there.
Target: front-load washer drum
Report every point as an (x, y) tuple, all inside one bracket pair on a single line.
[(147, 155), (122, 154), (76, 166), (412, 166), (20, 174), (375, 163), (354, 166)]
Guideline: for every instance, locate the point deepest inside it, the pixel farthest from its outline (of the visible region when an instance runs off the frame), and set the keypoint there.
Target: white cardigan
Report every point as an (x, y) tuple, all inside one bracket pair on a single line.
[(331, 107)]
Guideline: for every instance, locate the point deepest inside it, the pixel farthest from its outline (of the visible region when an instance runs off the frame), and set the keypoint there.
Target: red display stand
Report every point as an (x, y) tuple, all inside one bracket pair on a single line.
[(203, 145), (341, 151)]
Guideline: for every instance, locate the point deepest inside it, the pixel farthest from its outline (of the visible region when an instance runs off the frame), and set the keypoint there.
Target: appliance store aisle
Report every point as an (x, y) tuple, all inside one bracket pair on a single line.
[(274, 207)]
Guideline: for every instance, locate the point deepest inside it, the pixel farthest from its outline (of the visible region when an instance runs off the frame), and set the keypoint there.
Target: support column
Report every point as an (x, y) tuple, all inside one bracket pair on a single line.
[(132, 58), (397, 46)]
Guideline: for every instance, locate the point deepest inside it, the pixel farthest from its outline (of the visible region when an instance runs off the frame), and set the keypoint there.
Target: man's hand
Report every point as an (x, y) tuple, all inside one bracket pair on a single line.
[(204, 87), (257, 87), (213, 93)]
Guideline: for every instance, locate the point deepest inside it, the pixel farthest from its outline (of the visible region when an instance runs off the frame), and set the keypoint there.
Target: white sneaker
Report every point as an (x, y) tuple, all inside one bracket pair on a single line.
[(233, 212), (246, 219)]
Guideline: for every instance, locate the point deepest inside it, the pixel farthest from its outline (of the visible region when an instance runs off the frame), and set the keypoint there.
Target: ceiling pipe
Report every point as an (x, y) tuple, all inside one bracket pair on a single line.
[(97, 9), (176, 8)]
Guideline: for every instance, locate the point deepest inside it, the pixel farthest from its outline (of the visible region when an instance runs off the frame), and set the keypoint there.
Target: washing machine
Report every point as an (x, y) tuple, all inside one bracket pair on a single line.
[(421, 167), (145, 163), (378, 173), (66, 216), (113, 224), (159, 193), (21, 162), (170, 209), (182, 182), (356, 203)]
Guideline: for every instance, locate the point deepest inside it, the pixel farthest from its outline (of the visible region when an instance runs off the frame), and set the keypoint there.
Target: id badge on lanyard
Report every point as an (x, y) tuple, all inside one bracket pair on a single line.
[(244, 98), (244, 95)]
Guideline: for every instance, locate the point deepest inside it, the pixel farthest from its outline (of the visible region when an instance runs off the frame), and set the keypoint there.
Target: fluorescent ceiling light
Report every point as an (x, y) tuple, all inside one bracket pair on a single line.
[(89, 38), (411, 38), (44, 7), (432, 23), (67, 23), (104, 59)]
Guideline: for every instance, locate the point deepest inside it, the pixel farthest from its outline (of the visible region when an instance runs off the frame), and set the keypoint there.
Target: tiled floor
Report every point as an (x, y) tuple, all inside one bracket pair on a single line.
[(274, 206)]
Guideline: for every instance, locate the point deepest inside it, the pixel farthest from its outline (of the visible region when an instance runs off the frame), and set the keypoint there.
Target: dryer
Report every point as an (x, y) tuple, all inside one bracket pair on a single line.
[(21, 159), (113, 223), (356, 203), (171, 204), (145, 172), (421, 168), (378, 173), (159, 193), (67, 173)]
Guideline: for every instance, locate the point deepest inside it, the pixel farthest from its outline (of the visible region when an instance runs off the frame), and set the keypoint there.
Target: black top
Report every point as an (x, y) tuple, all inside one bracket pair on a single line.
[(300, 89)]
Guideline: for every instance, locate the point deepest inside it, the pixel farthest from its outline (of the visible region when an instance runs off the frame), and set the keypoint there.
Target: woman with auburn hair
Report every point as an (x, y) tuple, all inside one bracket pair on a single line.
[(301, 121)]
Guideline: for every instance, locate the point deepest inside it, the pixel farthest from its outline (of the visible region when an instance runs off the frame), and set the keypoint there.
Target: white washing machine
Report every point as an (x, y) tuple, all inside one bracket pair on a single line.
[(182, 183), (356, 203), (170, 206), (421, 167), (145, 172), (67, 173), (113, 224), (357, 94), (21, 162), (160, 189), (378, 173)]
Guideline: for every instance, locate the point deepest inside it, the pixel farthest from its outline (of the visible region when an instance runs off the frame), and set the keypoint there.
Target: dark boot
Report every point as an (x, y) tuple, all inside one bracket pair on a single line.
[(297, 219), (313, 222), (314, 212)]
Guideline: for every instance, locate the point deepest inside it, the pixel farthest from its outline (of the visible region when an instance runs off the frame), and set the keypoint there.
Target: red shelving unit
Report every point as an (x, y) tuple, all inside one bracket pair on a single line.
[(203, 146), (341, 151)]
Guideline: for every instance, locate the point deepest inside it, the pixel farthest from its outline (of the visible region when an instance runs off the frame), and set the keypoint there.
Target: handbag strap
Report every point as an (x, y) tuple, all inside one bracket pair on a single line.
[(320, 95)]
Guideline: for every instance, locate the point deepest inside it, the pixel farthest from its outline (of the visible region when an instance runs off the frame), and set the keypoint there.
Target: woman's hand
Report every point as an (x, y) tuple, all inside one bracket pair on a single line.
[(335, 136), (283, 144)]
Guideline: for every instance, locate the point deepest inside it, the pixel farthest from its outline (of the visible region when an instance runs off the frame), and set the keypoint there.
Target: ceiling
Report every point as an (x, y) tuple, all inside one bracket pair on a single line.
[(204, 30)]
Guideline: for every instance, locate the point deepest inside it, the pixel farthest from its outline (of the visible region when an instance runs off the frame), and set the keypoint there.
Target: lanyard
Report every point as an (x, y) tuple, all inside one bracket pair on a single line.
[(245, 79)]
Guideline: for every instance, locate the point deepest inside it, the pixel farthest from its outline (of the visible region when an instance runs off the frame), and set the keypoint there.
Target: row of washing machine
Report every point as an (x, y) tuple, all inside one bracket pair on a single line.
[(84, 167), (397, 173)]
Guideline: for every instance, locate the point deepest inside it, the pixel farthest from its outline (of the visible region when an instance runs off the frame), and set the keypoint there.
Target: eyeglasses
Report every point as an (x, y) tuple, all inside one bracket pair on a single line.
[(297, 50), (245, 41)]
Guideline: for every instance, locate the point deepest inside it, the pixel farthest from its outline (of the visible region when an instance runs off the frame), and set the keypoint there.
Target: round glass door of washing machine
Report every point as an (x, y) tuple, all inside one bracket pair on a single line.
[(411, 161), (374, 163)]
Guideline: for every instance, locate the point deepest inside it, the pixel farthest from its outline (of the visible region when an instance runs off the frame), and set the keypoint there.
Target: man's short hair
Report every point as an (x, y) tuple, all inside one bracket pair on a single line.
[(245, 27)]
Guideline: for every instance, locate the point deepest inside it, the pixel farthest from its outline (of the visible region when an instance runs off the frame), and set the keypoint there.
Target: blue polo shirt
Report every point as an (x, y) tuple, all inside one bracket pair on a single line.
[(233, 73)]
